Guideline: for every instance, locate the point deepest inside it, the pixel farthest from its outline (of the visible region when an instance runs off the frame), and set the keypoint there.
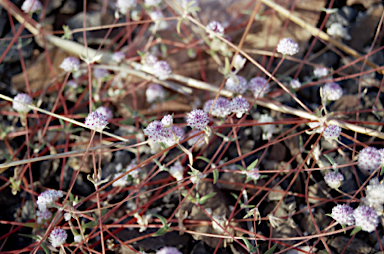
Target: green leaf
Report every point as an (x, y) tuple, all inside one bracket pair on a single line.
[(178, 25), (90, 224), (31, 236), (247, 243), (45, 248), (128, 121), (271, 250), (160, 232), (203, 159), (206, 197), (240, 167), (355, 230), (161, 218), (67, 33), (215, 175), (252, 165), (382, 170), (324, 251)]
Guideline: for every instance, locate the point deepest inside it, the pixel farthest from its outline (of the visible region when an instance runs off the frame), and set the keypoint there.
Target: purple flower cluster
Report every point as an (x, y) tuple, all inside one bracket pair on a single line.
[(31, 6), (223, 107), (158, 132), (162, 69), (96, 121), (47, 198), (215, 27), (332, 132), (287, 46), (370, 159), (197, 119), (20, 102), (259, 87), (105, 111), (236, 84), (343, 214), (57, 237), (333, 179), (70, 64), (332, 91)]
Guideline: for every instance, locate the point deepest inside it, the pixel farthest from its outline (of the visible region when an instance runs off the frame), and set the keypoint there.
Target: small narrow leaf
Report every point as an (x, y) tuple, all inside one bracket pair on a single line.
[(247, 243), (355, 230), (31, 236), (45, 248), (206, 197), (271, 250), (160, 232), (252, 165), (215, 175), (162, 219), (178, 25), (203, 159)]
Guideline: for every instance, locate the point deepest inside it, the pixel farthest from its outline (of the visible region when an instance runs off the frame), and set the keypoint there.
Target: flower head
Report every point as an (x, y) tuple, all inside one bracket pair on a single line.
[(150, 59), (239, 106), (316, 126), (366, 218), (167, 121), (197, 119), (287, 46), (31, 6), (155, 131), (47, 198), (253, 174), (168, 137), (239, 62), (177, 171), (219, 109), (43, 216), (258, 86), (369, 159), (155, 92), (118, 56), (122, 182), (343, 214), (70, 64), (215, 27), (105, 111), (96, 121), (334, 179), (134, 173), (125, 5), (295, 84), (374, 194), (236, 84), (162, 69), (332, 91), (320, 72), (57, 237), (332, 132), (100, 73), (168, 250), (20, 102)]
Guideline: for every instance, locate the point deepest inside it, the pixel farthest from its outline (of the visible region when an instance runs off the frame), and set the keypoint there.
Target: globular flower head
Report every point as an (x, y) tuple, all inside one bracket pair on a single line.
[(337, 30), (295, 84), (150, 3), (374, 193), (155, 92), (366, 218), (47, 198), (287, 46), (239, 106), (31, 6), (332, 132), (43, 216), (320, 72), (125, 5), (57, 237), (215, 27), (118, 56), (100, 73), (369, 159), (134, 173), (150, 59), (197, 119), (168, 250), (122, 182), (155, 131), (332, 91), (167, 121), (219, 109), (162, 69), (96, 121), (19, 102), (236, 84), (333, 179), (70, 64), (343, 214), (258, 86), (72, 84), (169, 138), (177, 171), (105, 111)]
